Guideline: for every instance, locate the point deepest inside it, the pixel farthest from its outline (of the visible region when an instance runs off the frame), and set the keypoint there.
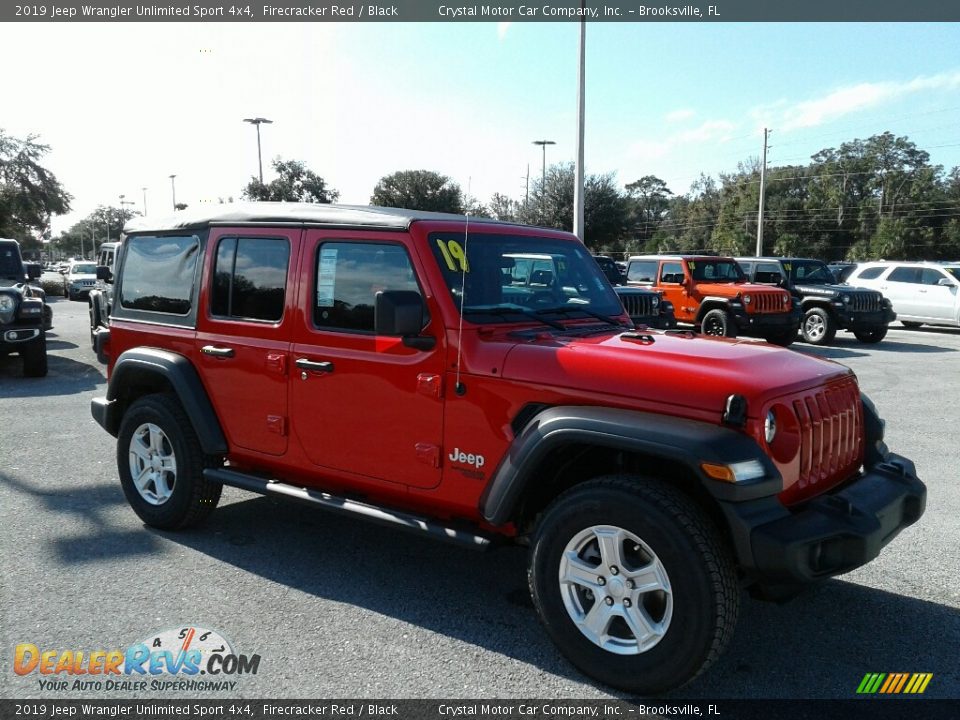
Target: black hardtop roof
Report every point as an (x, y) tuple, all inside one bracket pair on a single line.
[(773, 258), (290, 213)]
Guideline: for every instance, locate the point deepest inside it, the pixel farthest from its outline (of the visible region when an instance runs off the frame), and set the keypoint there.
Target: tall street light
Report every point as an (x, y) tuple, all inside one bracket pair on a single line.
[(258, 121), (173, 191), (144, 201), (543, 174)]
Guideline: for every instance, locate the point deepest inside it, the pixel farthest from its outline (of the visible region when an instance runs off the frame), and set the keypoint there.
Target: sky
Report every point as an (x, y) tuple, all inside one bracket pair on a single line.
[(125, 105)]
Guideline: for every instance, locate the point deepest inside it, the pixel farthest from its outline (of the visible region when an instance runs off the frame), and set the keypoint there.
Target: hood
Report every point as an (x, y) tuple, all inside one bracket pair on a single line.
[(668, 369), (830, 290), (11, 284), (733, 289)]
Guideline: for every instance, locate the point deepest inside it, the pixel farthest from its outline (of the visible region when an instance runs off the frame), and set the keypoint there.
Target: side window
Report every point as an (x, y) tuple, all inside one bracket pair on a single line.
[(348, 278), (870, 273), (642, 271), (250, 278), (905, 274), (672, 273), (931, 276), (158, 274), (747, 268)]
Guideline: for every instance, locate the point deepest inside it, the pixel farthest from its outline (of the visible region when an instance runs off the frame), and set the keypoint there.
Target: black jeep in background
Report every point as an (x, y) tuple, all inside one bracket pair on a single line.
[(827, 306), (643, 305), (21, 311)]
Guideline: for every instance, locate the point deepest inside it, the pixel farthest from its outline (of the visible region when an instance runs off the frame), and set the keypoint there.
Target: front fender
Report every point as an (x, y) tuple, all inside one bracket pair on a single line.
[(688, 442)]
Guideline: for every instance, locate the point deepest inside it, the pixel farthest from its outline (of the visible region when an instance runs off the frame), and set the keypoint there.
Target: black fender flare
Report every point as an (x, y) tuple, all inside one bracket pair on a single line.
[(710, 303), (182, 376), (688, 442)]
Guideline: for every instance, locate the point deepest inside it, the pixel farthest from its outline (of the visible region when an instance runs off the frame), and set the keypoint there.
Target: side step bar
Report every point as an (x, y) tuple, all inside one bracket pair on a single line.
[(384, 516)]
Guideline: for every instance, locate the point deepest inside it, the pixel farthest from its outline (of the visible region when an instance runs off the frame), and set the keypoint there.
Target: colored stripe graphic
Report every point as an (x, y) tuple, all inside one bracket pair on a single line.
[(894, 683)]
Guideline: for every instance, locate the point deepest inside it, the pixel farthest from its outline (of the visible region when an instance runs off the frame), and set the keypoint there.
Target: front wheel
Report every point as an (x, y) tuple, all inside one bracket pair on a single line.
[(718, 323), (872, 335), (161, 464), (910, 325), (34, 356), (818, 327), (784, 338), (633, 583)]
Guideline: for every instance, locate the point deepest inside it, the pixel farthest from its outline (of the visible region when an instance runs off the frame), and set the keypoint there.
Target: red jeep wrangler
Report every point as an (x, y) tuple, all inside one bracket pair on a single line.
[(387, 364), (713, 294)]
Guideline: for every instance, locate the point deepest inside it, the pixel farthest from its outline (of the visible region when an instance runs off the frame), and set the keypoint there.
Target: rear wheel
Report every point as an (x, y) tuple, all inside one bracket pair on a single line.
[(783, 338), (161, 464), (910, 325), (633, 583), (872, 335), (718, 323), (818, 327)]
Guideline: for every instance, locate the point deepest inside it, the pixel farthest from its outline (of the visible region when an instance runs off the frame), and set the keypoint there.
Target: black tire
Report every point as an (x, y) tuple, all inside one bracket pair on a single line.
[(783, 339), (871, 336), (818, 327), (702, 594), (93, 320), (34, 356), (910, 325), (718, 323), (191, 497)]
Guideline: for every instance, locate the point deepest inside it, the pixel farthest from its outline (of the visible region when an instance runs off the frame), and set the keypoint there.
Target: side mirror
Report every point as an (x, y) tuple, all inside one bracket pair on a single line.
[(398, 313), (945, 281), (103, 273), (34, 271)]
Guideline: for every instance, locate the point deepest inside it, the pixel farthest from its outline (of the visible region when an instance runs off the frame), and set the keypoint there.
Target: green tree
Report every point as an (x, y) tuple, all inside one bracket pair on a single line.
[(102, 225), (418, 190), (648, 201), (294, 183), (29, 193)]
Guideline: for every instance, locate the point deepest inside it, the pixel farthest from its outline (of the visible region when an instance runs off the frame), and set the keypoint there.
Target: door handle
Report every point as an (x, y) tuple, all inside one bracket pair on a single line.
[(313, 365), (217, 351)]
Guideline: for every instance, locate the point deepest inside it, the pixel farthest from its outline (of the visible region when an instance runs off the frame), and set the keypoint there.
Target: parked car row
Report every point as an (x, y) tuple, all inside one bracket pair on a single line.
[(732, 296)]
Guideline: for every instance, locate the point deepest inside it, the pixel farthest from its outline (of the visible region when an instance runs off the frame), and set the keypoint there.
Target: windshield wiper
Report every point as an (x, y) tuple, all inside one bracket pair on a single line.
[(591, 313), (505, 311)]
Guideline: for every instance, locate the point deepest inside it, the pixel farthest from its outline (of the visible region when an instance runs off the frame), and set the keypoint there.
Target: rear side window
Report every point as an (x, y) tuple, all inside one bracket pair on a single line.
[(250, 278), (905, 274), (642, 271), (158, 274), (769, 273), (349, 276), (870, 273)]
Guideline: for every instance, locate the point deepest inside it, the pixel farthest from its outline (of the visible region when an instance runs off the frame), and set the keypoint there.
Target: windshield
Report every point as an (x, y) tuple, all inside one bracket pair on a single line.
[(506, 278), (809, 272), (84, 269), (715, 270), (955, 271)]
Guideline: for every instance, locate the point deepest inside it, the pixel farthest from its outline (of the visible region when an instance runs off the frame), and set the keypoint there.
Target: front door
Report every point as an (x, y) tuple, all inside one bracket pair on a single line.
[(671, 282), (360, 402), (243, 335)]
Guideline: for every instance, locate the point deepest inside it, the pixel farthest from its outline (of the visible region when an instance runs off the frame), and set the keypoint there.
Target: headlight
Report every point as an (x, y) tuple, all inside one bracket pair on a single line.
[(746, 299), (845, 298), (786, 299), (770, 427), (7, 303), (656, 302)]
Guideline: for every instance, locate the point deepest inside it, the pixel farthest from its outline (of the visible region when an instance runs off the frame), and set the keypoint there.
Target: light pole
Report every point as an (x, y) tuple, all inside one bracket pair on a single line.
[(543, 174), (258, 121), (144, 201), (173, 191)]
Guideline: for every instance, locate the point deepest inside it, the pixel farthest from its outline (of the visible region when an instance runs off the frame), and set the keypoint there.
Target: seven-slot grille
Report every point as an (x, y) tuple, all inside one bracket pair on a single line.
[(638, 305), (866, 302), (766, 302), (831, 437)]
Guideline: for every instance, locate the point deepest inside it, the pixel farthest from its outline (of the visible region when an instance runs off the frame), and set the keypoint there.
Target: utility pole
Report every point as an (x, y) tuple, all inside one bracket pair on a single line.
[(763, 180), (578, 191), (526, 200), (173, 191)]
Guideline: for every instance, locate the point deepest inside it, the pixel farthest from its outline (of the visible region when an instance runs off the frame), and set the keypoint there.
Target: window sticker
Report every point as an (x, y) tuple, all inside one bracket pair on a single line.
[(326, 276), (691, 264), (452, 251)]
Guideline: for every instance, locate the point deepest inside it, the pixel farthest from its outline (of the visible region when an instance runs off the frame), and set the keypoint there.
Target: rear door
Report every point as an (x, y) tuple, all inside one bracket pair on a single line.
[(360, 402), (244, 331)]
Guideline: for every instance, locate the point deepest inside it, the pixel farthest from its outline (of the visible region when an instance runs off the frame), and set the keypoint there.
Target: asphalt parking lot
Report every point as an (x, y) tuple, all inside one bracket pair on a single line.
[(339, 608)]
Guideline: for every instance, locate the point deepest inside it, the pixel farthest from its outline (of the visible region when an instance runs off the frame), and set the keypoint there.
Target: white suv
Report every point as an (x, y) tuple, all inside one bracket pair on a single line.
[(921, 292)]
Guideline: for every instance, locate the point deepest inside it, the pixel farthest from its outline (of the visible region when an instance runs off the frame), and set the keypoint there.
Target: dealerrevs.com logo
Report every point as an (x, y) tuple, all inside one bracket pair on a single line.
[(187, 658)]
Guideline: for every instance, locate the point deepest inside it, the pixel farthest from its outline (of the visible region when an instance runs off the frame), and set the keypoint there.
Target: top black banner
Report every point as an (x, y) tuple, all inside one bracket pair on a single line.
[(463, 10)]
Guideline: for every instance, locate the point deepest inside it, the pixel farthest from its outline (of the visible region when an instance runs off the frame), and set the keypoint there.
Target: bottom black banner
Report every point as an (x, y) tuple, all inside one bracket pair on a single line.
[(868, 709)]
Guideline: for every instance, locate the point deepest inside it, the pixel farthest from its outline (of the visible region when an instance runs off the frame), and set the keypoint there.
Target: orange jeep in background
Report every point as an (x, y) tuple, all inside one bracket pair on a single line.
[(713, 295)]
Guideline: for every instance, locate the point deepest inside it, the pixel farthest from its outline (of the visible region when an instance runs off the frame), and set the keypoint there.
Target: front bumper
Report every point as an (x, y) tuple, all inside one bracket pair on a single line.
[(834, 532), (14, 336), (867, 320), (766, 322)]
